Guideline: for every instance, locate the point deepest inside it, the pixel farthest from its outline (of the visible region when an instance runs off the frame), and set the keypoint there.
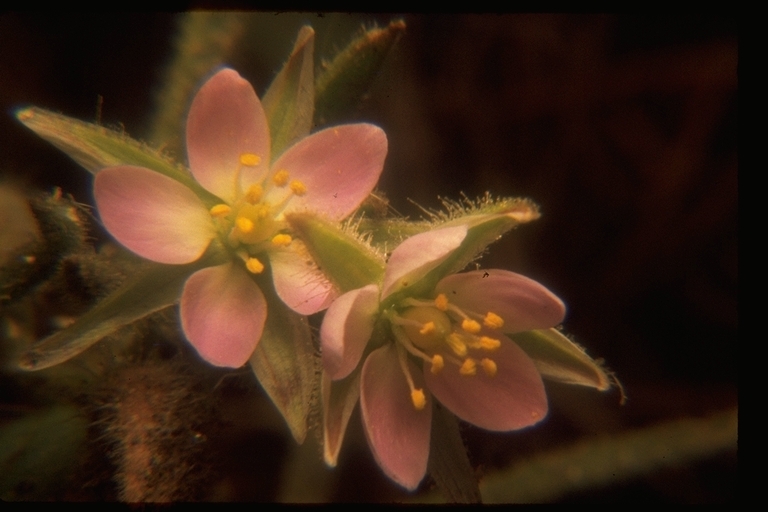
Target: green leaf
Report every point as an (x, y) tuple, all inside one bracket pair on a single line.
[(559, 359), (96, 147), (346, 260), (286, 364), (339, 400), (448, 461), (345, 80), (157, 287), (289, 103)]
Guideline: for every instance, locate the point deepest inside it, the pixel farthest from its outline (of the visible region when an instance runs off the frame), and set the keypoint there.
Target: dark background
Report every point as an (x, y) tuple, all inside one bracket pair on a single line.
[(622, 128)]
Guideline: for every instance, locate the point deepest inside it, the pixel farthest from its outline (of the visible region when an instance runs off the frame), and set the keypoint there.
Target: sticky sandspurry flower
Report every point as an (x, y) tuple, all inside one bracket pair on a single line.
[(222, 309), (449, 344)]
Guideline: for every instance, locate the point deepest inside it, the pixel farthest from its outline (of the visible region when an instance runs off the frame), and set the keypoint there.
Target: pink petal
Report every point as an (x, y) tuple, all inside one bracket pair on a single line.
[(346, 329), (299, 282), (152, 215), (226, 119), (223, 313), (512, 399), (523, 303), (339, 166), (416, 256), (397, 433)]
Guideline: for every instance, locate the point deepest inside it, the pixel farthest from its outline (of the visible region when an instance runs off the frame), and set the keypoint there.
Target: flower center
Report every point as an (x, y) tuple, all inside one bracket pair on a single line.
[(252, 225), (437, 332)]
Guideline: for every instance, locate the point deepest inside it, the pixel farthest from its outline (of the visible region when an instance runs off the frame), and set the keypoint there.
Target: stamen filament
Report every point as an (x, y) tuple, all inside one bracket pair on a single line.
[(418, 398)]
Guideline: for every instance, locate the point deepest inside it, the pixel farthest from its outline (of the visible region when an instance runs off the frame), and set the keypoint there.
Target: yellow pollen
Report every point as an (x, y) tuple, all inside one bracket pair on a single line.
[(298, 188), (489, 367), (250, 160), (281, 240), (220, 210), (470, 325), (428, 328), (441, 302), (418, 399), (489, 344), (244, 224), (280, 178), (493, 321), (469, 367), (254, 193), (457, 345), (254, 266), (437, 364)]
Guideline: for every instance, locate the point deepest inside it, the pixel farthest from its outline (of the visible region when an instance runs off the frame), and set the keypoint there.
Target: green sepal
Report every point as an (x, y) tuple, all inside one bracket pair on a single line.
[(347, 261), (339, 400), (286, 363), (560, 359), (96, 147), (345, 81), (289, 103), (155, 288)]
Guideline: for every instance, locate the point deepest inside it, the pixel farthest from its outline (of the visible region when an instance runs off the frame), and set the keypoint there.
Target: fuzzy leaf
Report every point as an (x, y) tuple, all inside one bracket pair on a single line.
[(96, 147), (290, 101), (286, 364), (559, 359), (157, 287), (345, 260), (345, 81), (339, 400)]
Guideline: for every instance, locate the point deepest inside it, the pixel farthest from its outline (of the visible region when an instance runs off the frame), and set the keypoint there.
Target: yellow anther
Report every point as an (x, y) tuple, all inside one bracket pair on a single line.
[(298, 188), (437, 364), (254, 193), (221, 210), (441, 302), (280, 178), (470, 325), (281, 240), (428, 327), (489, 367), (250, 160), (457, 344), (493, 321), (244, 224), (418, 399), (254, 266), (469, 367), (489, 344)]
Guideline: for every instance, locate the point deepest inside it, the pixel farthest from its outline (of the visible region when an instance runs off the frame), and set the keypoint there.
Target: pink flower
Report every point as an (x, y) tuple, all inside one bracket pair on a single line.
[(228, 142), (447, 343)]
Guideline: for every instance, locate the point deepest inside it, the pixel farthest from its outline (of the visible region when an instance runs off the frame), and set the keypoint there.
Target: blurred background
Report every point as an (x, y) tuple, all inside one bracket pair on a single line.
[(622, 128)]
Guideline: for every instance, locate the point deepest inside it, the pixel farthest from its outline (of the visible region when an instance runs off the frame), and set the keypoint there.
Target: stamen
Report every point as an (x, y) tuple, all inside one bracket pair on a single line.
[(493, 321), (220, 210), (281, 240), (428, 328), (468, 368), (298, 188), (254, 193), (280, 178), (489, 367), (250, 160), (437, 364), (470, 326), (441, 302), (244, 224), (489, 344), (254, 266), (418, 399), (457, 344)]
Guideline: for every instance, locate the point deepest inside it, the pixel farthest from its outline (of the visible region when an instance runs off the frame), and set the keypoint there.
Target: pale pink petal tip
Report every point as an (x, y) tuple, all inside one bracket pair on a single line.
[(339, 166), (222, 314), (346, 329), (153, 215), (397, 433), (226, 120)]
